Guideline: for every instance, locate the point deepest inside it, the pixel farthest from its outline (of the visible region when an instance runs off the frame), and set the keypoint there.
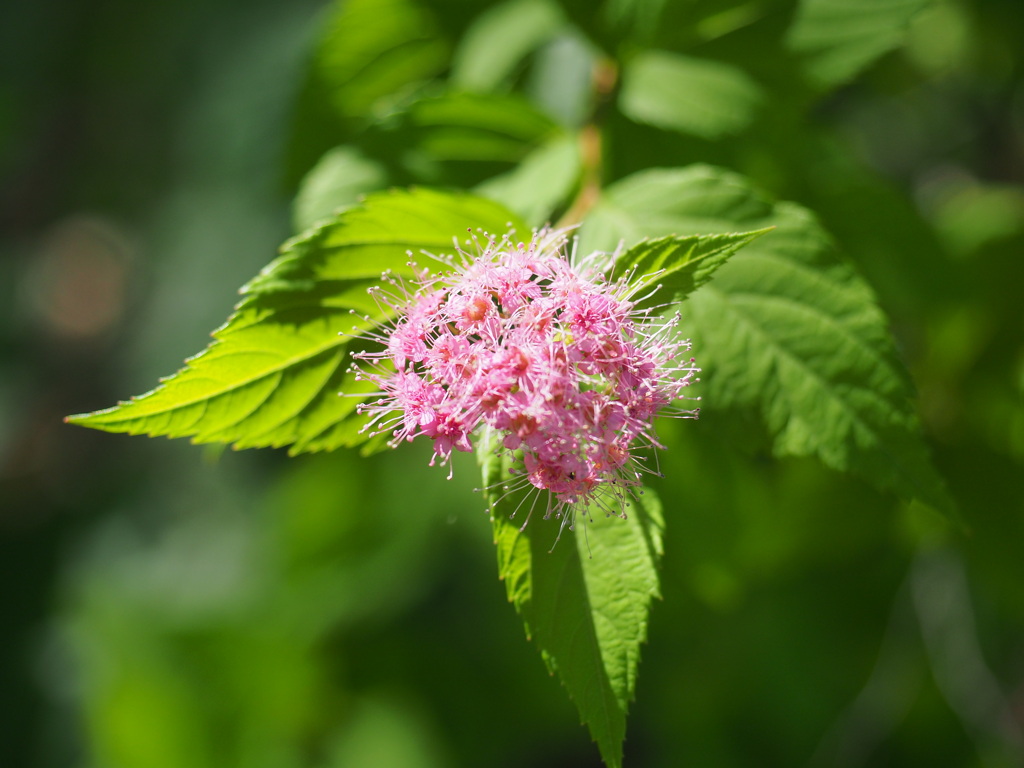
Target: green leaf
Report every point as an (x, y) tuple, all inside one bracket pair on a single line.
[(539, 184), (838, 38), (584, 598), (561, 79), (499, 39), (372, 58), (696, 96), (636, 19), (786, 331), (273, 373), (463, 139), (681, 264), (335, 183), (475, 126), (373, 49)]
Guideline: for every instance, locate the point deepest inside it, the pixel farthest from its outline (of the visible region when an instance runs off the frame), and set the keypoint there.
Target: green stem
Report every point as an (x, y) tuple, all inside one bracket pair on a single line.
[(605, 77)]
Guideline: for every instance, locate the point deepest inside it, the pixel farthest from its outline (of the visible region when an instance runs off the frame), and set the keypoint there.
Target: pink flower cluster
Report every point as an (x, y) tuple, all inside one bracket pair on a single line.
[(554, 358)]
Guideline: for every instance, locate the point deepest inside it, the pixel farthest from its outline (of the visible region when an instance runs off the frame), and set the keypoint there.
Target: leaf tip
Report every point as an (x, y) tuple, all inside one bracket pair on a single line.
[(80, 419)]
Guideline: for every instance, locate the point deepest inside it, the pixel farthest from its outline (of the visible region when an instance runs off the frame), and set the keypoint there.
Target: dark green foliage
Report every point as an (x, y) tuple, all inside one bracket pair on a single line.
[(788, 331)]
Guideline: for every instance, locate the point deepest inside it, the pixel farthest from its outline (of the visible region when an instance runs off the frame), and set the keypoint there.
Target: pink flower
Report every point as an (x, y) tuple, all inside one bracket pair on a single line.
[(552, 357)]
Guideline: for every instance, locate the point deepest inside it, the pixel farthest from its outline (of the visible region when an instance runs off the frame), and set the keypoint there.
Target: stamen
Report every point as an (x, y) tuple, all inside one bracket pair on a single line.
[(544, 352)]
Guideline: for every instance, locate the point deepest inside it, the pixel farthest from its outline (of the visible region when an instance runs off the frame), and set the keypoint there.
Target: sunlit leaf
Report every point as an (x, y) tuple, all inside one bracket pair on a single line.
[(786, 330), (584, 598), (840, 37), (273, 373), (680, 265), (499, 40), (680, 93)]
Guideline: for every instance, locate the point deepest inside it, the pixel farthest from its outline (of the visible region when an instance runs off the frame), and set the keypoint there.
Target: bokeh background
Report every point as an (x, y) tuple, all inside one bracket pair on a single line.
[(166, 605)]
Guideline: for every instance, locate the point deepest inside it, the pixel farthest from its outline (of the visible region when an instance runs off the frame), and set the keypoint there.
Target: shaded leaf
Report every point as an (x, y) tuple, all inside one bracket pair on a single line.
[(335, 183), (473, 126), (500, 39), (273, 373), (786, 330), (634, 19), (373, 49), (371, 59), (561, 78), (540, 183), (680, 93), (840, 37), (584, 599)]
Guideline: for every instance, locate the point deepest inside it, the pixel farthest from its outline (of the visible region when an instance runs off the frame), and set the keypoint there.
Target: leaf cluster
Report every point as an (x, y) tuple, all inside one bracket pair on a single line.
[(617, 118)]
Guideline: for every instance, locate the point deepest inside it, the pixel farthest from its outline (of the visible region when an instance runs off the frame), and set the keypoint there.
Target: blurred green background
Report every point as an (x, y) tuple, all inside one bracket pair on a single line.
[(167, 605)]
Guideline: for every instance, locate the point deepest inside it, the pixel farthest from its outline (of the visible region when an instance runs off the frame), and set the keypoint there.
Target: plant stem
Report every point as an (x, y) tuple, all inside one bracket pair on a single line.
[(605, 77)]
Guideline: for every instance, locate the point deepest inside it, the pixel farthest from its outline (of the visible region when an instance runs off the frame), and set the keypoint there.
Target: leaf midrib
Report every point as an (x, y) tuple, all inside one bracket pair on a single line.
[(180, 405), (587, 628)]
